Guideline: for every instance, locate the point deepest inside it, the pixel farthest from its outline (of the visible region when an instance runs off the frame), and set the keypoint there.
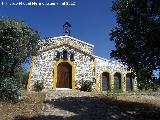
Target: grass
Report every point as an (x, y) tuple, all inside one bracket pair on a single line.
[(147, 97), (30, 105), (151, 100)]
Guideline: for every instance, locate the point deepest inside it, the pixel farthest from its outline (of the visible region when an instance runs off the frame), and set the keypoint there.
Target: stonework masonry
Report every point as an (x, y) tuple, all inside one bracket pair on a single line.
[(86, 65)]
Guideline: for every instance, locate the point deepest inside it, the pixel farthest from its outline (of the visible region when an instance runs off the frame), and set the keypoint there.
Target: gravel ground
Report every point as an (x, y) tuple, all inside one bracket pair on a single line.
[(68, 105)]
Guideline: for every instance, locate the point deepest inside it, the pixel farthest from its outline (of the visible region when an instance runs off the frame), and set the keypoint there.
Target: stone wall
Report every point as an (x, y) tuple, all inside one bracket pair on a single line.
[(87, 65), (44, 66), (103, 65), (66, 40)]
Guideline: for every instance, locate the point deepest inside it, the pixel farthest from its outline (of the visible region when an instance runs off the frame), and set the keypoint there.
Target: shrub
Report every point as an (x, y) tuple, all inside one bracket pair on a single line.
[(152, 85), (9, 89), (38, 86), (86, 85), (155, 87)]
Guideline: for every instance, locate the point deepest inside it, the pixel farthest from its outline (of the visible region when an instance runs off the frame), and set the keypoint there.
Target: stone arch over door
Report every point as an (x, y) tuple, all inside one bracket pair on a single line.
[(117, 81), (105, 81), (129, 82), (56, 70)]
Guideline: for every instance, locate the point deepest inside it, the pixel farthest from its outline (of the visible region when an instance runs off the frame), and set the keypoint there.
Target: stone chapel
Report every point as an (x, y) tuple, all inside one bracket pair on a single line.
[(63, 62)]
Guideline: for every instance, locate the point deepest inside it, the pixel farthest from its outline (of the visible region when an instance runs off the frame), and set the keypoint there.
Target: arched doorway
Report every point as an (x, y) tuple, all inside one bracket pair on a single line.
[(64, 75), (105, 81), (129, 82), (117, 81)]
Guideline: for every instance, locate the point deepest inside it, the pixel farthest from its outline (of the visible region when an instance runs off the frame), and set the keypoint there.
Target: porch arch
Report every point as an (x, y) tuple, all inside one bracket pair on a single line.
[(105, 81), (118, 80), (129, 82)]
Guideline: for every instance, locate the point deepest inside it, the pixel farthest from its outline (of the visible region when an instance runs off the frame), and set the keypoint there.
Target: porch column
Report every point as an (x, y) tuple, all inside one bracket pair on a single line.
[(112, 82), (134, 84), (123, 82), (30, 73)]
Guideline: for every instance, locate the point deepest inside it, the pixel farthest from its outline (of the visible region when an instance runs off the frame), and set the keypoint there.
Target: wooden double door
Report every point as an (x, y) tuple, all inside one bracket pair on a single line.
[(64, 75)]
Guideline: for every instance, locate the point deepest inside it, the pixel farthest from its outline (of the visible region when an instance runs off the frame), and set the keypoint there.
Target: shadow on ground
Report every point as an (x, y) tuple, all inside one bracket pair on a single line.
[(95, 108)]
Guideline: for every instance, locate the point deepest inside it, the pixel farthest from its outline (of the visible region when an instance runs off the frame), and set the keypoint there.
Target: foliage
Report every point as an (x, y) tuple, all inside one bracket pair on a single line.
[(9, 89), (146, 84), (136, 36), (23, 76), (86, 85), (38, 86), (155, 87), (17, 42)]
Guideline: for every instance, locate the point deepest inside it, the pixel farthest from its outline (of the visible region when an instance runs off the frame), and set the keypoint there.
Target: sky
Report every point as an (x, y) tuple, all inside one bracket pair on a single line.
[(91, 20)]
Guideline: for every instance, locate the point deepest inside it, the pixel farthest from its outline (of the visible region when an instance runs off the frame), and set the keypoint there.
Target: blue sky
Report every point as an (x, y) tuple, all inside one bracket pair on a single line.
[(91, 20)]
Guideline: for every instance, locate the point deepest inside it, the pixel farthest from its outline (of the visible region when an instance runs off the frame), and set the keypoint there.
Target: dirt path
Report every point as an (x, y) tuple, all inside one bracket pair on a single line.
[(68, 105), (77, 106)]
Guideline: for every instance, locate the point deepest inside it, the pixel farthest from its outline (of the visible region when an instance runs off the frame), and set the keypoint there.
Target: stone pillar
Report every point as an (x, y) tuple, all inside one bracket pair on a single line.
[(95, 74), (73, 75), (135, 84), (123, 82), (30, 73), (112, 82)]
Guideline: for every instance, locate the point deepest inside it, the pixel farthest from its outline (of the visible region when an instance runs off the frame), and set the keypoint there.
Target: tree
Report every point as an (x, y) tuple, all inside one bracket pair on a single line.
[(137, 36), (17, 42)]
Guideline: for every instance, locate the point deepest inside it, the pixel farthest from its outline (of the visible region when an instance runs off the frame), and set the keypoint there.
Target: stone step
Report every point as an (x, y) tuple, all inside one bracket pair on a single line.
[(63, 93)]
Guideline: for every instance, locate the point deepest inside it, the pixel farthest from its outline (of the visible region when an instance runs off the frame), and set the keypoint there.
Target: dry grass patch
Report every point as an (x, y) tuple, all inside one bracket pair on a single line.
[(30, 105), (152, 100), (139, 107)]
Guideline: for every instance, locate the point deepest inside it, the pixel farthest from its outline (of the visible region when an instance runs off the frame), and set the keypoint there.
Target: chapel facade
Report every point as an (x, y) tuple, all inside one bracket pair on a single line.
[(64, 62)]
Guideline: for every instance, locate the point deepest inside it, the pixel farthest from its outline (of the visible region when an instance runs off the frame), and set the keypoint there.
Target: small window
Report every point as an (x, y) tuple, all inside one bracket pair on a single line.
[(72, 57), (58, 55), (65, 54)]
